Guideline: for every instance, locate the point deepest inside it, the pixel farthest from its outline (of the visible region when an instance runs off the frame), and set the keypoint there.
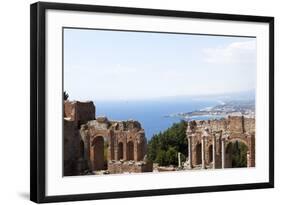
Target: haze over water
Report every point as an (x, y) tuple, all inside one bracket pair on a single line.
[(151, 114)]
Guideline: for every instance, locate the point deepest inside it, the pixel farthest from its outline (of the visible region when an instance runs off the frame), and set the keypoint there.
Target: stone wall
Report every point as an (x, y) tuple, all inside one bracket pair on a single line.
[(79, 112), (70, 149), (129, 167), (125, 140), (75, 114), (86, 139)]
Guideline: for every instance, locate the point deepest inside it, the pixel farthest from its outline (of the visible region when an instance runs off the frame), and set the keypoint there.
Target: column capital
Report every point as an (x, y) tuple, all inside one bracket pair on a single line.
[(190, 134), (190, 130), (225, 136), (206, 132)]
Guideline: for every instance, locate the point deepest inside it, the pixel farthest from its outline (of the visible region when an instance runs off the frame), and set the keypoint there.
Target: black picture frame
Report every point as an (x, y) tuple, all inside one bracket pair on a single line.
[(38, 101)]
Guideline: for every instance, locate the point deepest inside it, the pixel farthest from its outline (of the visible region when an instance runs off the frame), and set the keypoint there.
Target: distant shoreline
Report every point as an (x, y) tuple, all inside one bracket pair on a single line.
[(222, 110)]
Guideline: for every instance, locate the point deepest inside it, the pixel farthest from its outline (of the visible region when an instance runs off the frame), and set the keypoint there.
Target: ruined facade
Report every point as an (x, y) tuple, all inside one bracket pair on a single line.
[(100, 144), (79, 112), (209, 141), (124, 141), (95, 144)]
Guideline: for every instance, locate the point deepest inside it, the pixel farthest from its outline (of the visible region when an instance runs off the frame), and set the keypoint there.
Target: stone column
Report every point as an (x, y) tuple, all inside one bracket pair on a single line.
[(110, 149), (248, 159), (252, 160), (214, 151), (88, 152), (115, 143), (203, 151), (222, 153), (135, 150), (190, 151)]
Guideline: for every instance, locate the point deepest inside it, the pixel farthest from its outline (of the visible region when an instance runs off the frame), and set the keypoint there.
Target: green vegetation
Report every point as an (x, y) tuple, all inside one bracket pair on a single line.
[(65, 95), (163, 147), (238, 154)]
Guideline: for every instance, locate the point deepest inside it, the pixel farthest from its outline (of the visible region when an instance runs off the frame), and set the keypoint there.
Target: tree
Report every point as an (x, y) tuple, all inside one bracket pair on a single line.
[(172, 156), (161, 158), (164, 146), (65, 95)]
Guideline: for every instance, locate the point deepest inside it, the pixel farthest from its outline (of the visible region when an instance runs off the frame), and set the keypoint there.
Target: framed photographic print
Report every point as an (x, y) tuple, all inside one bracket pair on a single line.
[(129, 102)]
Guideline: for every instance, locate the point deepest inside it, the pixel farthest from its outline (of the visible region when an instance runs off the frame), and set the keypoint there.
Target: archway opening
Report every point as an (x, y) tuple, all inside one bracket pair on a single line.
[(210, 153), (98, 153), (236, 154), (198, 154), (81, 149), (130, 150), (120, 151)]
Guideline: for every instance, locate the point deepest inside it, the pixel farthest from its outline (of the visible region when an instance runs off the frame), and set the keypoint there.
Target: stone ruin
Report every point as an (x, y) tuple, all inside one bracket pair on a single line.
[(96, 144), (209, 140)]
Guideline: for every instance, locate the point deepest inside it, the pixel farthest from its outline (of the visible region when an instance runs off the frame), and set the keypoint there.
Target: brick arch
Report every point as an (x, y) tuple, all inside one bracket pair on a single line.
[(239, 139), (82, 149), (120, 150), (97, 152), (227, 142), (140, 146), (97, 133), (108, 137), (228, 151), (210, 153), (130, 150), (198, 153)]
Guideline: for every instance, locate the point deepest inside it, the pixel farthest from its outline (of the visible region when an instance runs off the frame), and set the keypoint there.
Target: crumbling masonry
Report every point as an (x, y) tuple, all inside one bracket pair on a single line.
[(124, 141), (208, 141)]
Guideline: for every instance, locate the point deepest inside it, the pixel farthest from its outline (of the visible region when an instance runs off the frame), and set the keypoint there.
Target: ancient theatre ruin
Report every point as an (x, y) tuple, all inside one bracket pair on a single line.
[(93, 144), (97, 145), (209, 141)]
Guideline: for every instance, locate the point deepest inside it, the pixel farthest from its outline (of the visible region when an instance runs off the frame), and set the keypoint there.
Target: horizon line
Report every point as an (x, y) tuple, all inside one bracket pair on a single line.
[(172, 96)]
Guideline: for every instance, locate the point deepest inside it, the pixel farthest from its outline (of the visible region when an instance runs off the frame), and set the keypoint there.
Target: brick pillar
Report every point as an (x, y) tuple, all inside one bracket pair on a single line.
[(124, 151), (222, 153), (115, 143), (135, 150), (214, 151), (87, 151), (203, 151), (252, 154), (109, 151)]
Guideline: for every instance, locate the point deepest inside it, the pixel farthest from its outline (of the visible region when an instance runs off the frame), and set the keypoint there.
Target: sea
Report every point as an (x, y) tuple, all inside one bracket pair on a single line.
[(154, 115)]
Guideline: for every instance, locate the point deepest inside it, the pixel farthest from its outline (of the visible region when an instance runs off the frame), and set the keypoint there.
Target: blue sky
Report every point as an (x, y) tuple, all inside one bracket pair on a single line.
[(118, 65)]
